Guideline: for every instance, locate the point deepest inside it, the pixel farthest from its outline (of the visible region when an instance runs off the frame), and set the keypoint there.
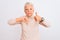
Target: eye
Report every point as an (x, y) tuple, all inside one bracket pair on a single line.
[(26, 9), (30, 8)]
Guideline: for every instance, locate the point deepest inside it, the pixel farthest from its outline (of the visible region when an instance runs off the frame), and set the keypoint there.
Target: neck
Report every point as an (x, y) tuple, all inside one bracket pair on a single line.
[(29, 16)]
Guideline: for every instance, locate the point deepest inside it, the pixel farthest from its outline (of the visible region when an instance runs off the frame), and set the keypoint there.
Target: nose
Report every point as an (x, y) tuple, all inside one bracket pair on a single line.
[(28, 10)]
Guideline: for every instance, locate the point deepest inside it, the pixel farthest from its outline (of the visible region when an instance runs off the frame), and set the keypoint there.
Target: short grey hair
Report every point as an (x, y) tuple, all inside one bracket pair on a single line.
[(28, 3)]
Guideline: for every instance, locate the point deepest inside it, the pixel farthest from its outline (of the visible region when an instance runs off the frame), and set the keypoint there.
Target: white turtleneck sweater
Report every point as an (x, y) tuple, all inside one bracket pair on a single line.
[(30, 30)]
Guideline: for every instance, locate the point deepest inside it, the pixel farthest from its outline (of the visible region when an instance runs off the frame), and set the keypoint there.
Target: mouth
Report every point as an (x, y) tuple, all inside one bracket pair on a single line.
[(29, 13)]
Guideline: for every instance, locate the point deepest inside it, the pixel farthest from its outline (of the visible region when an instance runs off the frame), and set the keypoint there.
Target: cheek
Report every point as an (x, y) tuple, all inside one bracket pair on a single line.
[(27, 12)]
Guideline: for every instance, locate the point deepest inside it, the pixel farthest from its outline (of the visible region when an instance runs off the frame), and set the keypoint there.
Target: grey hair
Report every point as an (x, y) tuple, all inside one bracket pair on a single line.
[(28, 3)]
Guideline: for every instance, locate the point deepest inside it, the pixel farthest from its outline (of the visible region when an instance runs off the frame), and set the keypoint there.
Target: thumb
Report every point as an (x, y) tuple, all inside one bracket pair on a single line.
[(36, 13)]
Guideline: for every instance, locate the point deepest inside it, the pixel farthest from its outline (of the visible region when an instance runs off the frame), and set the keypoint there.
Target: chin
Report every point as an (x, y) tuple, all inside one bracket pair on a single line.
[(29, 15)]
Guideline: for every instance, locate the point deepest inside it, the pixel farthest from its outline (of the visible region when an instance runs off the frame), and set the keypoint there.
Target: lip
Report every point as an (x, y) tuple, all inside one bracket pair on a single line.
[(29, 13)]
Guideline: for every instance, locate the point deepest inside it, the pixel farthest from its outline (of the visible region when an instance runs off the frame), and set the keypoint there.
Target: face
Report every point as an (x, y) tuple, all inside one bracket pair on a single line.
[(29, 10)]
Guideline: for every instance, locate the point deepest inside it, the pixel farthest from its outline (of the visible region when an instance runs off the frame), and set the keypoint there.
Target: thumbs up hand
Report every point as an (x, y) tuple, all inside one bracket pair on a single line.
[(37, 17)]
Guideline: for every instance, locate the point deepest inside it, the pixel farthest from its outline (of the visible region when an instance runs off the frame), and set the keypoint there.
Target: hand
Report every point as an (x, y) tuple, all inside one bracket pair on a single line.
[(25, 19), (37, 17)]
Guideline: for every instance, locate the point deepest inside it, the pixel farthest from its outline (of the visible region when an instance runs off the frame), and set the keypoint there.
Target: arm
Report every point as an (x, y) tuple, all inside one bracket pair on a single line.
[(44, 22), (14, 21), (41, 20)]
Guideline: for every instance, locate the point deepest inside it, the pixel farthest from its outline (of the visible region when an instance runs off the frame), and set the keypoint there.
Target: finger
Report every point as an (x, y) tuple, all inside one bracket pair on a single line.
[(35, 18), (25, 19)]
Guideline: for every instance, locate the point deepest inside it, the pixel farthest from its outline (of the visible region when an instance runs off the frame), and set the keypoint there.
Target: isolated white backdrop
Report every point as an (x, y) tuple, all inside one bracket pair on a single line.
[(11, 9)]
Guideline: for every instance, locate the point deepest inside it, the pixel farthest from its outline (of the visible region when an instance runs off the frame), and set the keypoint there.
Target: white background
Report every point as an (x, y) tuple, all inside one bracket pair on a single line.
[(11, 9)]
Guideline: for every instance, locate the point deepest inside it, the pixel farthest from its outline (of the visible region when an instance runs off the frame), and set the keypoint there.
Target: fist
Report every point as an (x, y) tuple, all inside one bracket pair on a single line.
[(25, 19), (37, 17)]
